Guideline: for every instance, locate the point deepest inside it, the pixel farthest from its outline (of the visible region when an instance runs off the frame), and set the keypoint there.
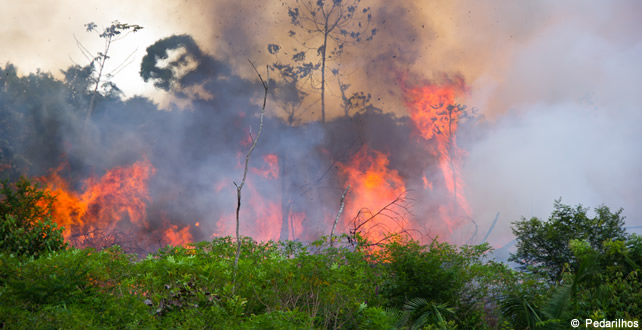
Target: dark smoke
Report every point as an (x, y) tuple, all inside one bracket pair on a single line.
[(193, 150), (557, 81)]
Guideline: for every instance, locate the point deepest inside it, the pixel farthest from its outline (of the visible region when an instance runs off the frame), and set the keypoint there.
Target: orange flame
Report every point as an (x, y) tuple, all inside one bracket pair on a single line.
[(427, 184), (373, 186), (435, 114), (270, 168), (173, 236), (261, 217), (119, 194)]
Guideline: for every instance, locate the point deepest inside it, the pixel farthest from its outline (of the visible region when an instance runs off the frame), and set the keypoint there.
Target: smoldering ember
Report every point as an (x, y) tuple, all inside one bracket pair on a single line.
[(154, 124)]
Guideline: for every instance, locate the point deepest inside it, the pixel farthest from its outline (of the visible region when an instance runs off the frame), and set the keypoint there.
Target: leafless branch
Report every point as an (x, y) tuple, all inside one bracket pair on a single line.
[(397, 211), (239, 186), (401, 201)]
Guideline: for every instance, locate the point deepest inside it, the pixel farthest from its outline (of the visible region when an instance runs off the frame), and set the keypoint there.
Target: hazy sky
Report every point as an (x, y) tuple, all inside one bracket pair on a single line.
[(558, 80), (40, 34)]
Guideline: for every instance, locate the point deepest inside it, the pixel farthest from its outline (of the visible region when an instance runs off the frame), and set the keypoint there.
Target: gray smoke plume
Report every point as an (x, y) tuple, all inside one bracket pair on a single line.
[(556, 85)]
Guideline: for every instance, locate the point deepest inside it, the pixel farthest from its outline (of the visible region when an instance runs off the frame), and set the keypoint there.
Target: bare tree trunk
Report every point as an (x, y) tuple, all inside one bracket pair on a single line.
[(336, 219), (285, 199), (325, 47), (239, 186), (92, 102)]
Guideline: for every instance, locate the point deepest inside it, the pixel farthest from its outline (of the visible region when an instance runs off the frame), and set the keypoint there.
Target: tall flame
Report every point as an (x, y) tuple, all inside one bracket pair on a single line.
[(435, 114), (374, 186)]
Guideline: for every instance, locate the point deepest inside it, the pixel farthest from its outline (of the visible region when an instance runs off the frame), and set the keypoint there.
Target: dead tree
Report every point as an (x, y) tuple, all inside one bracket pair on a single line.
[(111, 34), (341, 205), (326, 29), (239, 186)]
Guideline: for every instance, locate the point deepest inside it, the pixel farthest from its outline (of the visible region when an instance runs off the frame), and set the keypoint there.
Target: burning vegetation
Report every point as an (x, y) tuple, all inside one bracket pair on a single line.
[(346, 185), (283, 201), (124, 172), (173, 170), (107, 210)]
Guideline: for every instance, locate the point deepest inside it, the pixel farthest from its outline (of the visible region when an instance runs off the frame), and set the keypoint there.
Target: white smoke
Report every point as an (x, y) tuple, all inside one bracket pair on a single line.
[(566, 110)]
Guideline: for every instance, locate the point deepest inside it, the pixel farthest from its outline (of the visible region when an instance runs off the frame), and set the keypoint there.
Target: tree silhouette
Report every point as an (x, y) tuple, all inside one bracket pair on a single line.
[(323, 30), (355, 101), (111, 34), (327, 27)]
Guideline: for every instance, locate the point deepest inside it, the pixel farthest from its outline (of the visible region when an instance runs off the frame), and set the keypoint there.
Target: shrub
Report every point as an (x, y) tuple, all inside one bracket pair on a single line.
[(26, 224), (543, 246), (416, 271)]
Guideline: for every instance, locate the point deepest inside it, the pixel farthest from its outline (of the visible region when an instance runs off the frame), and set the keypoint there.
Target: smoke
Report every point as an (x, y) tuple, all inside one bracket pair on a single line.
[(564, 112), (556, 84)]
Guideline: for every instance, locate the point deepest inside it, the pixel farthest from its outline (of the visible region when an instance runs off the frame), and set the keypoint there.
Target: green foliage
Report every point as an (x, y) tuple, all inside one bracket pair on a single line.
[(446, 276), (69, 289), (610, 284), (543, 246), (520, 312), (279, 320), (592, 291), (26, 225), (416, 271), (377, 318), (420, 311), (598, 270), (291, 285), (279, 284)]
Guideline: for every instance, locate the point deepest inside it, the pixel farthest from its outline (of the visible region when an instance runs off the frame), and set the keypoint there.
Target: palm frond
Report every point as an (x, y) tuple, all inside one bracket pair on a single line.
[(430, 311), (520, 311)]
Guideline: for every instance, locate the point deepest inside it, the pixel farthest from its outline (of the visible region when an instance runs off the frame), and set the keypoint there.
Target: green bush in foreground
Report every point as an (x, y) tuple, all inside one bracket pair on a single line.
[(279, 284), (69, 289), (26, 224), (401, 284)]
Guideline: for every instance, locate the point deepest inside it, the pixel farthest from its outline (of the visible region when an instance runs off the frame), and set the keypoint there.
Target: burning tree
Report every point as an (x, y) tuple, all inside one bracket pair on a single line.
[(325, 29), (435, 114), (98, 216), (374, 185)]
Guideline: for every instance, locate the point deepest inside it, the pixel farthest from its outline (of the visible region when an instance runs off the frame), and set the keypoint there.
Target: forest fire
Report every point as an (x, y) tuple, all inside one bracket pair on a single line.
[(107, 205), (294, 179), (274, 204), (263, 208), (377, 206), (269, 168), (435, 114), (175, 236), (373, 209)]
